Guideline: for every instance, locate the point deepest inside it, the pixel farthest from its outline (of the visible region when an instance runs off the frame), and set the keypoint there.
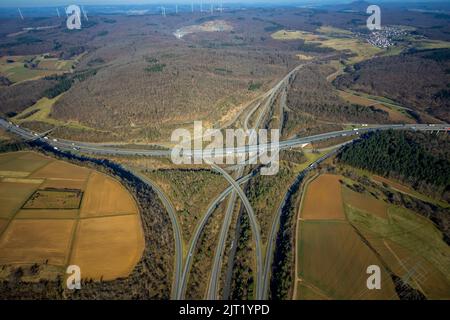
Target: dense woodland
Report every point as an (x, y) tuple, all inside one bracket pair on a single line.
[(312, 96), (416, 79), (421, 160), (15, 99)]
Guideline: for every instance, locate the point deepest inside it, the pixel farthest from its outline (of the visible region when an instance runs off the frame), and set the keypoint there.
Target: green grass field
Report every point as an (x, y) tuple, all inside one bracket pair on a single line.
[(14, 67)]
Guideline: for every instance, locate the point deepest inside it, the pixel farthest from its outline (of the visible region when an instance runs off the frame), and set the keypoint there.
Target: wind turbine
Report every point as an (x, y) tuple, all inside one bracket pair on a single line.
[(163, 11), (84, 13), (20, 13), (57, 12), (192, 6)]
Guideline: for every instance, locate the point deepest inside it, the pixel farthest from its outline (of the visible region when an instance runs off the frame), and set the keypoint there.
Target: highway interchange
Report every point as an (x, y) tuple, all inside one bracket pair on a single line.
[(182, 265)]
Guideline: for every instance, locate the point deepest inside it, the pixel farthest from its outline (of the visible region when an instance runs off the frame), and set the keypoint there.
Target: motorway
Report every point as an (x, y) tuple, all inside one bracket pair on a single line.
[(255, 229), (217, 262), (68, 145), (193, 244), (176, 230)]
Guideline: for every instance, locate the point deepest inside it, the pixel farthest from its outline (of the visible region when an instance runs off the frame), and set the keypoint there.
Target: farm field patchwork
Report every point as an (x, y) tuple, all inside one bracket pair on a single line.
[(23, 68), (58, 214), (372, 232)]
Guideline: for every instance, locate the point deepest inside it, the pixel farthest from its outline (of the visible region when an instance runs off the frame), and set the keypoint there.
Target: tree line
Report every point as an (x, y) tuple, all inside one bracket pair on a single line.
[(404, 156)]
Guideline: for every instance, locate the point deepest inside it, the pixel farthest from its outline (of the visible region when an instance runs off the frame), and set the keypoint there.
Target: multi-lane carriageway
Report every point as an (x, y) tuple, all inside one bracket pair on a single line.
[(69, 145)]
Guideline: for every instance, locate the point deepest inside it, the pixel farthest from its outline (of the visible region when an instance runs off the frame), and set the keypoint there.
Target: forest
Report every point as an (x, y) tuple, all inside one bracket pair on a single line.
[(416, 79), (417, 159)]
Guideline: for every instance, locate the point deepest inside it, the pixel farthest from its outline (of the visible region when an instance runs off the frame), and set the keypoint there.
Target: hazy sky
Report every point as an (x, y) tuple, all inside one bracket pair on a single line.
[(18, 3)]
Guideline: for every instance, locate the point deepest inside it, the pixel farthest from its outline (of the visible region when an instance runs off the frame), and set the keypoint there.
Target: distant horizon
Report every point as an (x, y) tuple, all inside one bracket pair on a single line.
[(54, 3)]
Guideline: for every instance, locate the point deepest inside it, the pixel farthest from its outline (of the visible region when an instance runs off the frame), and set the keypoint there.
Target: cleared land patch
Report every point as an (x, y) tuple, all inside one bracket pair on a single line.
[(54, 199), (341, 42), (323, 199), (209, 26)]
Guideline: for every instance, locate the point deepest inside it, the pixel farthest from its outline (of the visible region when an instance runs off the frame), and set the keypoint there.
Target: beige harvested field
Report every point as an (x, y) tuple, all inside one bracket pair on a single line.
[(5, 157), (36, 241), (23, 165), (50, 215), (333, 258), (62, 170), (13, 196), (323, 199), (47, 214), (3, 224), (105, 196), (365, 203), (108, 248)]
